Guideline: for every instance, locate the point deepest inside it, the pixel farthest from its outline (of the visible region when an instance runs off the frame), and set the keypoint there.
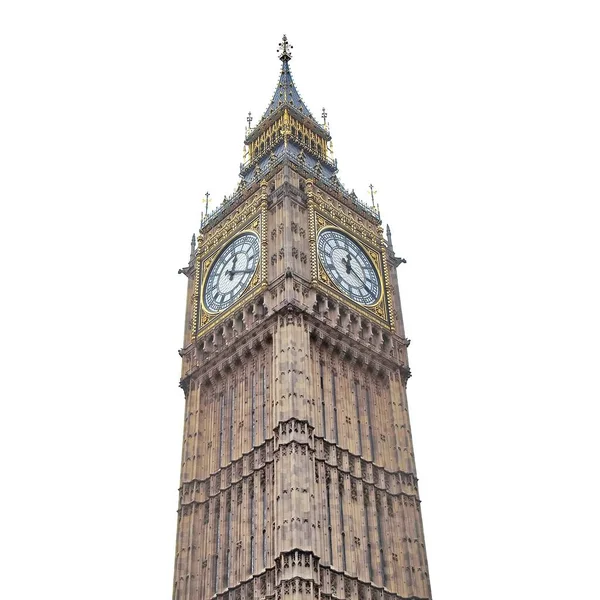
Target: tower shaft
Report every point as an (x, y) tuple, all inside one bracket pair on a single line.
[(298, 477)]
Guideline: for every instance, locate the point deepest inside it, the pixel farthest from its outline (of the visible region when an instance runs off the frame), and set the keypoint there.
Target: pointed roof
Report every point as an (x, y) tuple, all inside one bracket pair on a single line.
[(286, 94)]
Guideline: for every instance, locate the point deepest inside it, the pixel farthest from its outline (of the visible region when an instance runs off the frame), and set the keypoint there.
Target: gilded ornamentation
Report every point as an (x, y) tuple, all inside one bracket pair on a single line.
[(347, 218), (251, 216), (231, 223), (337, 216)]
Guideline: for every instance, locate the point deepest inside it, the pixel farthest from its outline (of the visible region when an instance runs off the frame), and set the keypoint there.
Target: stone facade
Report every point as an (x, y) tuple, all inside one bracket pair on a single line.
[(298, 477)]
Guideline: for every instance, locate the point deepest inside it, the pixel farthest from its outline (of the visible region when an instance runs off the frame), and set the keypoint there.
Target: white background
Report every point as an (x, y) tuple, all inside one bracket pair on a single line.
[(477, 122)]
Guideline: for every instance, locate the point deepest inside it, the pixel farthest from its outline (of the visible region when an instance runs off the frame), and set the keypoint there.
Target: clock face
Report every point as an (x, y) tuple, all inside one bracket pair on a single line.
[(231, 273), (348, 267)]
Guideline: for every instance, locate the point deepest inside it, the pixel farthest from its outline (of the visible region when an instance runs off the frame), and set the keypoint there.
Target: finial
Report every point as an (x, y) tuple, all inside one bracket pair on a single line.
[(207, 200), (193, 246), (285, 50), (388, 233), (324, 115), (249, 119), (373, 192)]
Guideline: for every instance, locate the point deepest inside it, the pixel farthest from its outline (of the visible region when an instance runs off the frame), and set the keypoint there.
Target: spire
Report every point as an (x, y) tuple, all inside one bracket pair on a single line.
[(286, 93), (193, 247), (388, 232)]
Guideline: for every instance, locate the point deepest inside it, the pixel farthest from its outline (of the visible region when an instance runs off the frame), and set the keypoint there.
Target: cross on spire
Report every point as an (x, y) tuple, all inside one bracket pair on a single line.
[(373, 192), (207, 200), (249, 119), (324, 116), (285, 50)]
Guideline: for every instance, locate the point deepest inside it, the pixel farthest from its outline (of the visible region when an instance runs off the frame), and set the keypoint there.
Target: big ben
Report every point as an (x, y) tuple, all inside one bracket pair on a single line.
[(298, 476)]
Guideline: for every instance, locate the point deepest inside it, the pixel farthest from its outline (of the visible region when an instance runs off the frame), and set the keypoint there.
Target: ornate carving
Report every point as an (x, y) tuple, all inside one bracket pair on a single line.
[(366, 234), (250, 216)]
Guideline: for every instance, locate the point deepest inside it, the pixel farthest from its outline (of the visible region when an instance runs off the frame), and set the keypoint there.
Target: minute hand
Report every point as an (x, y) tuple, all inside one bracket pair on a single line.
[(232, 272)]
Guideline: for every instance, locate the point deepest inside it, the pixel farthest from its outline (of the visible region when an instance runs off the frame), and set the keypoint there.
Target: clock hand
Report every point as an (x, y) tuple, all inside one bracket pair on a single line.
[(232, 267), (347, 263), (360, 279), (232, 273), (349, 269)]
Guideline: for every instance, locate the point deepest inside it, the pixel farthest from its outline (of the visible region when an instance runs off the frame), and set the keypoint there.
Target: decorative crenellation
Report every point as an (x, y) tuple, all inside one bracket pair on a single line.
[(231, 478), (297, 589), (350, 322), (361, 350), (258, 587), (297, 564), (223, 230), (329, 324), (391, 491), (372, 348), (394, 483), (199, 491), (326, 584), (229, 342), (335, 584), (294, 430), (331, 211)]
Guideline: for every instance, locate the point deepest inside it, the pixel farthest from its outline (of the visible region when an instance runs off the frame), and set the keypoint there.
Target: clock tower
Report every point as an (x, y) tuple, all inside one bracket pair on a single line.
[(298, 476)]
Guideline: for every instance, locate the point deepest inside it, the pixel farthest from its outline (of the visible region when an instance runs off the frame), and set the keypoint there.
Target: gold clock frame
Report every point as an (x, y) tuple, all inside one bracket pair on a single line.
[(251, 217), (324, 214), (371, 257)]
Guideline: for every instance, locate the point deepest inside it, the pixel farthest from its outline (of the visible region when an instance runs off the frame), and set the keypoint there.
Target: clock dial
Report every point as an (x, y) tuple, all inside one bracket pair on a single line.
[(349, 267), (231, 272)]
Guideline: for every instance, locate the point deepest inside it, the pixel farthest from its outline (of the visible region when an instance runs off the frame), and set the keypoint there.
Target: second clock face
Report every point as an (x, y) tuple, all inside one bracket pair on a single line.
[(231, 273), (349, 267)]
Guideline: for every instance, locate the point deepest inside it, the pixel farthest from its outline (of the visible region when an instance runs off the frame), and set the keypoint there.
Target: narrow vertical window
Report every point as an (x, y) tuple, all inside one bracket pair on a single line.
[(218, 538), (323, 402), (221, 418), (367, 531), (334, 402), (264, 403), (379, 512), (231, 420), (342, 526), (370, 561), (370, 423), (228, 542), (329, 524), (264, 536), (252, 524), (356, 402), (253, 394)]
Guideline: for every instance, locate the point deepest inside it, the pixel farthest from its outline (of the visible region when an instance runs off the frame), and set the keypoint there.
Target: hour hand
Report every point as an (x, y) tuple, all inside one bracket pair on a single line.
[(347, 263), (232, 272)]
